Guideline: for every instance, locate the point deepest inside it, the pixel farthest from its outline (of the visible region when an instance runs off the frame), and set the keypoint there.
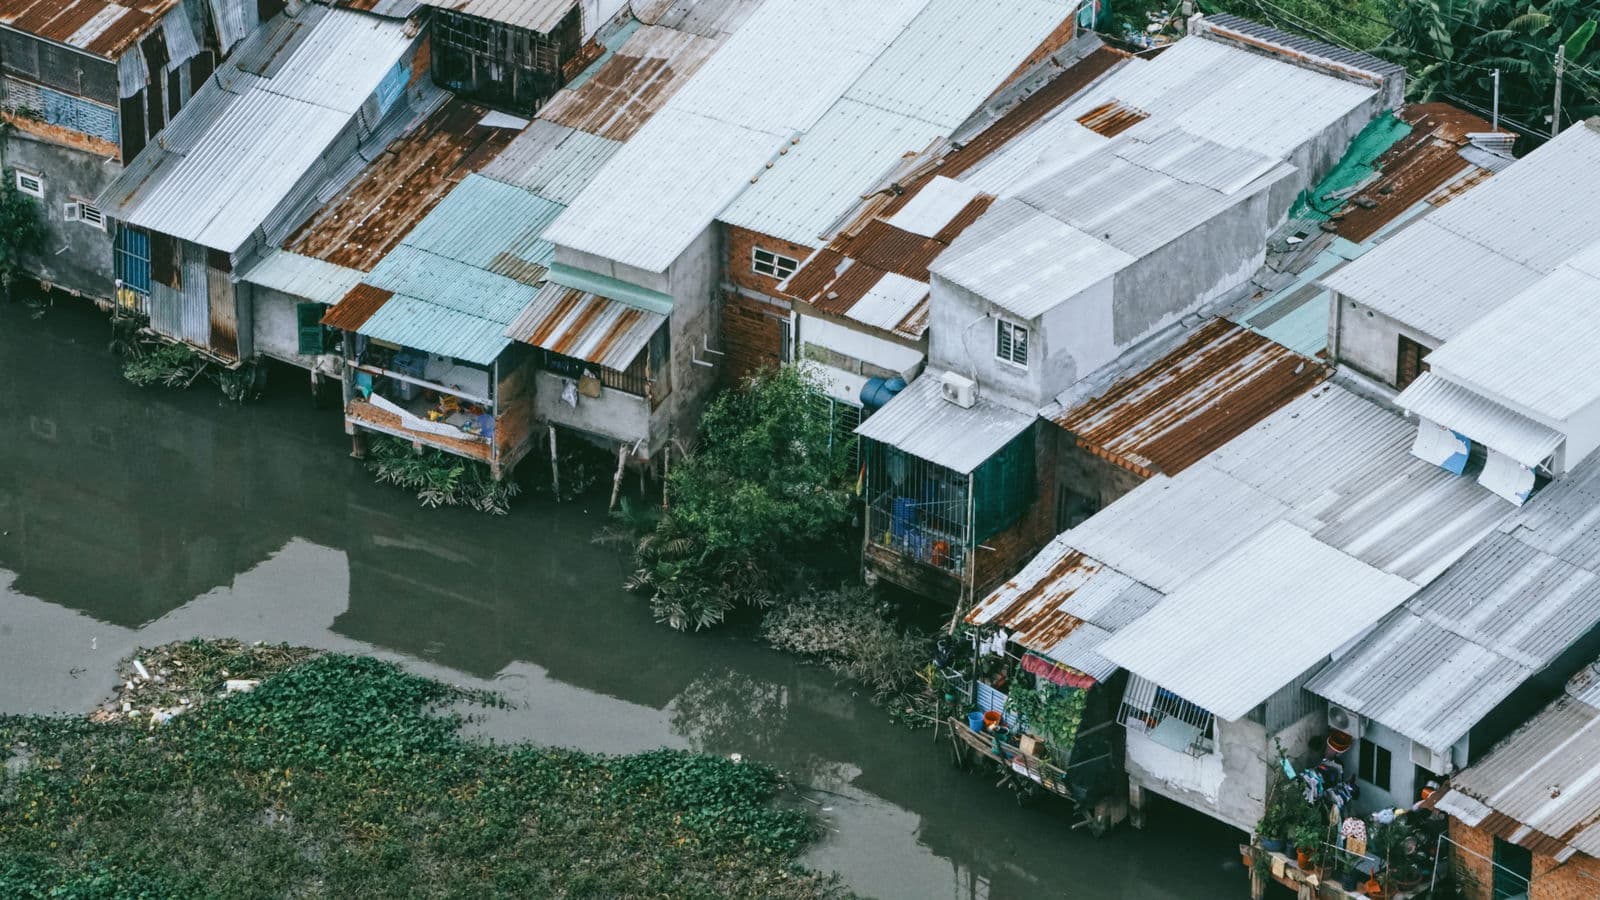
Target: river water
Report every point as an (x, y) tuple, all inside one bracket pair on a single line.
[(132, 518)]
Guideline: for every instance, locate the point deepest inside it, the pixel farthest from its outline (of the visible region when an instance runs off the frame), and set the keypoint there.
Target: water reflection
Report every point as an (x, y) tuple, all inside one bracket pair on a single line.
[(129, 518)]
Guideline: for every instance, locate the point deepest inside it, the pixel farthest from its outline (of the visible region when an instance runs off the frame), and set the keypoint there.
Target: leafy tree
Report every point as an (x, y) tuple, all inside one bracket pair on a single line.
[(765, 486), (1452, 47), (21, 230)]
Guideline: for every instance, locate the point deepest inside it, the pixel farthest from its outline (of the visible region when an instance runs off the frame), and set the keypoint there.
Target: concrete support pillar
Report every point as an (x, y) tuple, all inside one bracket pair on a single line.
[(1136, 800)]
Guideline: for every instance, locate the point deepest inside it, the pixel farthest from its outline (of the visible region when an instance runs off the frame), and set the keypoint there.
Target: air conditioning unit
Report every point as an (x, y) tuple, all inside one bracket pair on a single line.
[(1437, 763), (1345, 720), (959, 390)]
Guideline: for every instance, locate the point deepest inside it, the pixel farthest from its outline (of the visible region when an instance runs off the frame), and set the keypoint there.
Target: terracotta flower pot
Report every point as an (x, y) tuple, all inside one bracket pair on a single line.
[(1302, 858)]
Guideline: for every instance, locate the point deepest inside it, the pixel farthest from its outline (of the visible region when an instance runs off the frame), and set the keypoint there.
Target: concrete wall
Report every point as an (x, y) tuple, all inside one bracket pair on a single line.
[(1229, 784), (655, 281), (694, 279), (1196, 268), (1063, 344), (1316, 157), (275, 330), (616, 415), (1097, 480), (1369, 341), (76, 256)]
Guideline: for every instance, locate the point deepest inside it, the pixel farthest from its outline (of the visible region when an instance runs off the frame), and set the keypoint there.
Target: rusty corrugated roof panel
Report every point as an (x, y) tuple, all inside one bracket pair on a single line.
[(357, 307), (1112, 118), (586, 326), (371, 216), (1208, 390), (635, 82), (96, 26), (1414, 169)]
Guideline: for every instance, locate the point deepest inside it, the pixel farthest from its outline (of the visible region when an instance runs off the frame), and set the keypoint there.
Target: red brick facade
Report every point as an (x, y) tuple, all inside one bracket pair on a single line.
[(755, 314), (1576, 879)]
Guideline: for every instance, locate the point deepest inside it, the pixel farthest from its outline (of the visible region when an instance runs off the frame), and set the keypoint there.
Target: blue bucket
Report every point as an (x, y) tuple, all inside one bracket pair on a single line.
[(975, 721)]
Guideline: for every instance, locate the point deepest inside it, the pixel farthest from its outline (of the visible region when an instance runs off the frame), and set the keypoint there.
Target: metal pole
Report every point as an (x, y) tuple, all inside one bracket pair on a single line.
[(1561, 69), (1494, 122)]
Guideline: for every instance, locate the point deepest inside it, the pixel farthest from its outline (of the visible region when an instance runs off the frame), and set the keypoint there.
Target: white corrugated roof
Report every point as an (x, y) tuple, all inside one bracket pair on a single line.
[(1541, 349), (770, 81), (1231, 96), (303, 276), (1464, 411), (1027, 262), (1499, 615), (542, 16), (933, 207), (1237, 632), (921, 422), (234, 154), (1472, 255)]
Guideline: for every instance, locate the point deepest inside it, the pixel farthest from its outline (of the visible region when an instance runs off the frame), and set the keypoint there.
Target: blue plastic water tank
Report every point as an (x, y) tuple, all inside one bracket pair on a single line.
[(879, 391)]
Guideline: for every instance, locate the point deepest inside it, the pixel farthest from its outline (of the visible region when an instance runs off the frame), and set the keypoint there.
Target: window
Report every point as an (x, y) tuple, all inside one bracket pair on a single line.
[(1011, 343), (30, 184), (1373, 765), (765, 262), (78, 211), (1513, 868), (1166, 718)]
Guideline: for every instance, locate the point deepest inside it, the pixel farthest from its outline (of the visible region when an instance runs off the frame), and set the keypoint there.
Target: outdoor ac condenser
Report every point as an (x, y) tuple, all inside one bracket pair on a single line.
[(1345, 720), (958, 389), (1437, 763)]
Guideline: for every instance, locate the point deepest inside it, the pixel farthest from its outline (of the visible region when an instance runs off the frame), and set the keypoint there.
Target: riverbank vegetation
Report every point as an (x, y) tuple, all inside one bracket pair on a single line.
[(343, 776), (21, 228), (439, 478), (760, 501), (850, 631)]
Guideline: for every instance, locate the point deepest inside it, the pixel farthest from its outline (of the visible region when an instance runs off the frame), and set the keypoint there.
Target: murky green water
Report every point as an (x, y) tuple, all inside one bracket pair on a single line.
[(130, 518)]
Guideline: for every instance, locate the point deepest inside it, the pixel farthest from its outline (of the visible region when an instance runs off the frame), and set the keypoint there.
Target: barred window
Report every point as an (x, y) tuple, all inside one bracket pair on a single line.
[(1011, 343)]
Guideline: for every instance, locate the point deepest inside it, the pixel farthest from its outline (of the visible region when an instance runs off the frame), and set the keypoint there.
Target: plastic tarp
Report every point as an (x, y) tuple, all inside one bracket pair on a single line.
[(1507, 477), (1441, 446)]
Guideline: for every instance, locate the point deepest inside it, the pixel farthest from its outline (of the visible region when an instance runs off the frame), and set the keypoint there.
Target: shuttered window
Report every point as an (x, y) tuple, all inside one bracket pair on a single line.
[(313, 336)]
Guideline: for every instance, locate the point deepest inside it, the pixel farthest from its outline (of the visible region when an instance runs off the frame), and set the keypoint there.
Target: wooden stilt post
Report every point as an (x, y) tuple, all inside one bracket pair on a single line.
[(616, 480), (555, 467), (666, 469)]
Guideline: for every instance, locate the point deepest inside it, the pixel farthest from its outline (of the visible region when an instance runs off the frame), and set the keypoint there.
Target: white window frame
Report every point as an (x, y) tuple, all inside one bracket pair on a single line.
[(775, 265), (22, 178), (1005, 342), (91, 215)]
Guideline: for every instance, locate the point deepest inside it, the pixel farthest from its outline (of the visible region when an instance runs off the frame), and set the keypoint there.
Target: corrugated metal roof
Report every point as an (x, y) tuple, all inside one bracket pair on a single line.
[(1464, 260), (400, 187), (465, 272), (302, 276), (233, 156), (1257, 34), (1333, 463), (1238, 631), (1540, 787), (921, 422), (1027, 262), (1495, 618), (708, 18), (1230, 96), (1464, 411), (825, 173), (1539, 349), (94, 26), (1220, 381), (631, 85), (771, 80), (553, 161), (1063, 605), (542, 16), (1139, 202), (917, 90), (586, 326)]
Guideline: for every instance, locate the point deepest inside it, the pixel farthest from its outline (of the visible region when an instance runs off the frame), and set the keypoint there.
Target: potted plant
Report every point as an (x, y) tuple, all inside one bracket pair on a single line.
[(1307, 843)]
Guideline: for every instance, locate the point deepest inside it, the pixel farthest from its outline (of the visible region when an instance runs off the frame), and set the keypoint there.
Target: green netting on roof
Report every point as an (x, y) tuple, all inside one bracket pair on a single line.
[(1356, 166)]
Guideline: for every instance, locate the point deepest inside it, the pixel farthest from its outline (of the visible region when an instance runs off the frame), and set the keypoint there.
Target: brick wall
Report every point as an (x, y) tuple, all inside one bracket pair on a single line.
[(736, 270), (752, 335), (1576, 879)]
